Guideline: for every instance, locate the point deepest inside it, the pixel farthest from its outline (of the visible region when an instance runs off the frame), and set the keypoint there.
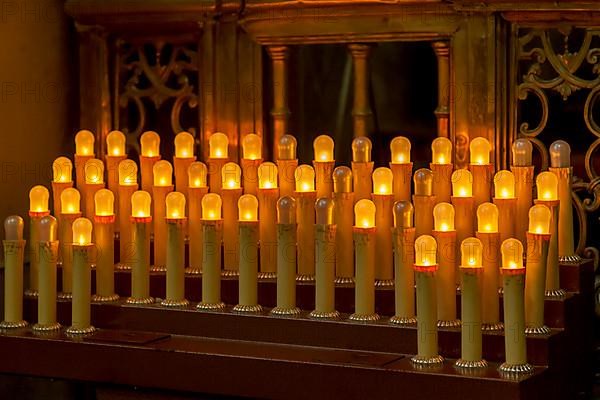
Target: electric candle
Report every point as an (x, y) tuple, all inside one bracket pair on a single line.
[(230, 193), (287, 164), (14, 249), (560, 162), (362, 167), (218, 156), (441, 166), (427, 334), (481, 169), (513, 274), (487, 233), (343, 200), (70, 211), (462, 200), (141, 218), (383, 198), (547, 190), (115, 145), (445, 235), (305, 203), (522, 167), (423, 201), (84, 151), (323, 164), (175, 218), (104, 222), (94, 181), (163, 185), (404, 257), (286, 257), (82, 278), (505, 200), (47, 276), (268, 193), (364, 250), (38, 208), (197, 174), (212, 225), (248, 231), (251, 159), (538, 237), (62, 170), (325, 231), (401, 167), (471, 268), (184, 156), (128, 184), (150, 144)]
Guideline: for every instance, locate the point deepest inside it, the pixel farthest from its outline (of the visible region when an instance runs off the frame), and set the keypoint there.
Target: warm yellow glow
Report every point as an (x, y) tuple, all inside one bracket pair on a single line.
[(267, 175), (252, 147), (382, 180), (104, 200), (480, 151), (128, 171), (471, 250), (150, 143), (82, 231), (70, 200), (504, 184), (361, 149), (211, 206), (425, 251), (560, 154), (400, 148), (487, 218), (140, 204), (522, 150), (62, 170), (547, 186), (286, 210), (512, 253), (184, 145), (539, 219), (364, 214), (443, 217), (38, 199), (115, 143), (286, 148), (441, 150), (462, 183), (84, 143), (248, 208), (218, 144), (323, 148), (175, 204), (197, 172), (94, 171), (231, 176), (304, 176), (163, 173)]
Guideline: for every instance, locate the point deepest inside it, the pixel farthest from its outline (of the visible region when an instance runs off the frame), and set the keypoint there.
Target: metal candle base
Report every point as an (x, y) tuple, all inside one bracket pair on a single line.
[(230, 273), (537, 330), (141, 300), (324, 315), (492, 327), (122, 267), (158, 268), (454, 323), (403, 320), (13, 325), (344, 280), (305, 278), (105, 299), (279, 311), (46, 327), (241, 308), (175, 303), (555, 294), (267, 275), (364, 317), (193, 271), (471, 364), (516, 368), (65, 296), (384, 282), (31, 293), (571, 259), (427, 361), (80, 331), (210, 306)]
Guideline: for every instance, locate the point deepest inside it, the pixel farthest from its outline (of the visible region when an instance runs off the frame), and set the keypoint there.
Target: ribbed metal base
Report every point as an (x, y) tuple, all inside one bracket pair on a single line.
[(471, 364), (122, 267), (324, 315), (427, 361), (403, 320), (175, 303), (230, 273), (143, 300), (572, 259), (499, 326), (240, 308), (384, 282), (31, 293), (210, 306), (65, 296), (501, 291), (555, 294), (364, 317), (454, 323), (13, 325), (104, 299), (158, 268), (46, 327), (285, 311), (305, 278), (537, 330), (516, 368), (267, 275), (193, 271), (80, 331)]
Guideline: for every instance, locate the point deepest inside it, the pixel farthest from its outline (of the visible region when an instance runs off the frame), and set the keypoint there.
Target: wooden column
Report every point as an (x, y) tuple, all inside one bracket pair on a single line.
[(280, 112), (361, 111), (442, 112)]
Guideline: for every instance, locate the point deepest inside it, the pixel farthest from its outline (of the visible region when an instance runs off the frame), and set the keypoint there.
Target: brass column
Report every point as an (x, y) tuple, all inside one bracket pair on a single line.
[(361, 111), (279, 112), (442, 112)]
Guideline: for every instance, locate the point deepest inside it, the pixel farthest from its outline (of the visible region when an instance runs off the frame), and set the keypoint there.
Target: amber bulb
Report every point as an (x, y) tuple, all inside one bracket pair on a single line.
[(231, 176), (218, 144), (211, 206), (522, 152), (248, 208), (547, 186), (84, 143), (252, 147), (267, 176), (403, 214), (560, 154), (364, 214), (82, 231), (512, 253), (286, 148), (425, 251), (128, 171), (115, 143), (462, 183), (184, 145), (504, 184), (342, 179), (94, 171), (539, 219), (441, 150), (150, 144), (13, 227), (104, 201), (197, 172), (38, 199), (286, 210), (471, 251), (382, 180), (70, 201), (423, 180), (400, 148), (361, 149), (443, 217), (487, 218), (323, 148), (480, 151), (163, 173), (140, 204), (175, 205), (62, 170), (304, 176)]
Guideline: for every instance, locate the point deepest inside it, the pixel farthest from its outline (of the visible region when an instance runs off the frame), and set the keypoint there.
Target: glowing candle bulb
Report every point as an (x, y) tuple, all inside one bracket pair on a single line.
[(252, 147), (231, 176), (62, 169), (305, 178), (512, 254), (150, 144), (487, 218), (105, 202), (115, 143), (425, 251), (94, 171), (163, 173), (197, 173), (480, 151), (84, 143), (38, 199), (547, 186), (267, 176), (522, 150), (286, 148), (70, 201), (184, 145), (364, 214), (443, 216), (504, 184), (441, 149), (560, 154), (400, 148), (471, 250), (323, 148), (175, 202), (218, 145), (140, 204), (82, 231), (382, 180), (248, 208), (128, 171), (539, 219), (211, 206), (462, 183)]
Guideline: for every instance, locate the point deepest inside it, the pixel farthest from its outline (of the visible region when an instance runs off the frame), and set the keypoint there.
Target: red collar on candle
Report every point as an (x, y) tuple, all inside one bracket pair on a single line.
[(425, 268), (39, 214), (178, 221), (512, 271), (104, 219), (543, 236), (139, 220)]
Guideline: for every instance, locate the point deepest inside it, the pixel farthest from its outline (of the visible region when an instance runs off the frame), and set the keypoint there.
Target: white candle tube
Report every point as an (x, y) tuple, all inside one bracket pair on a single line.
[(34, 252), (506, 217), (553, 289), (446, 278), (384, 262), (105, 262), (343, 200), (231, 241), (180, 168), (363, 185), (112, 180), (305, 206), (267, 200), (175, 264), (286, 169), (66, 250), (323, 177), (140, 265), (126, 242), (248, 280), (404, 258), (471, 337), (325, 232), (47, 277), (364, 285), (490, 303), (566, 240), (482, 182), (195, 195), (250, 175), (524, 194), (427, 333), (82, 290), (442, 188), (14, 249), (159, 195), (146, 166), (535, 283), (211, 265), (402, 179), (215, 181)]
